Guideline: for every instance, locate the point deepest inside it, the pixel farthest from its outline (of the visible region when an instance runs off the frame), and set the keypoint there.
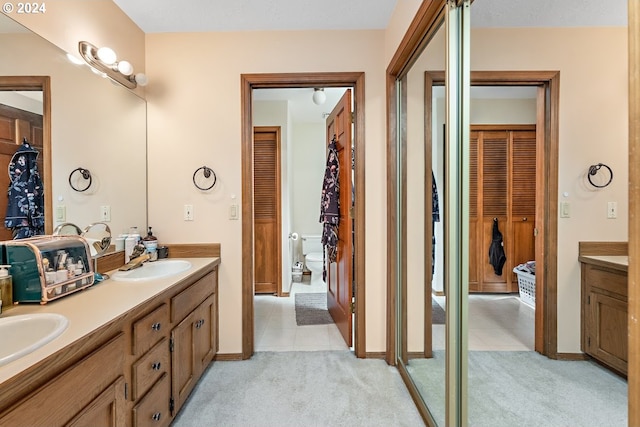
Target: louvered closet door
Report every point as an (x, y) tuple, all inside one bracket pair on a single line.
[(494, 180), (266, 209), (475, 234), (523, 200), (502, 185)]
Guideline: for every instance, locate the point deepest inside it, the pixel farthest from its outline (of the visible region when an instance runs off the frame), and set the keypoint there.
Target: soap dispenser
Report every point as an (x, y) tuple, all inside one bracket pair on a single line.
[(150, 243), (6, 288)]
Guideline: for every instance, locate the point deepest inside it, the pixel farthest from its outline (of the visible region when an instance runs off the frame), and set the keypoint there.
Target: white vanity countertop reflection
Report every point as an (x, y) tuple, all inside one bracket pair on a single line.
[(93, 307)]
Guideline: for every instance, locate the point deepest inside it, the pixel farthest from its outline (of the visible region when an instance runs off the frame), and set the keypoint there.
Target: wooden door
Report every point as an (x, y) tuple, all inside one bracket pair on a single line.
[(266, 210), (16, 124), (340, 273), (502, 187)]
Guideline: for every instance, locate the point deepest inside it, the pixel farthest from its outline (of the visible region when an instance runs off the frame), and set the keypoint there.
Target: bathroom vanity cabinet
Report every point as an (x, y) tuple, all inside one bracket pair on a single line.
[(604, 310), (69, 399), (135, 371)]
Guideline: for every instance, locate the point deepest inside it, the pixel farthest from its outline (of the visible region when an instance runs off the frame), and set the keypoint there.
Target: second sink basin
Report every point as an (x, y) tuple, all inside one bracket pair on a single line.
[(25, 333), (152, 270)]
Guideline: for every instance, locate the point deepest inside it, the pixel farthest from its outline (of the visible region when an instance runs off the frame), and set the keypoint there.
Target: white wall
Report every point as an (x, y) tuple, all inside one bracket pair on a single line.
[(307, 173), (593, 128), (194, 117)]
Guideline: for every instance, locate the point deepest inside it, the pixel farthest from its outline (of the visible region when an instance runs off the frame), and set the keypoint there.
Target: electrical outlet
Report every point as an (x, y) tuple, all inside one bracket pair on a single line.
[(188, 212), (105, 213)]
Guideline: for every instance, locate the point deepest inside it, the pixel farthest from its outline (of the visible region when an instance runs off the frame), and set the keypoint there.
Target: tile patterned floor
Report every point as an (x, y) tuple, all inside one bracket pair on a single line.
[(276, 329), (496, 322)]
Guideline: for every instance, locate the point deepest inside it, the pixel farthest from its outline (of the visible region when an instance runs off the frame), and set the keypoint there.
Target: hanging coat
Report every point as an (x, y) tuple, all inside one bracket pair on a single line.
[(330, 205), (25, 204), (497, 258)]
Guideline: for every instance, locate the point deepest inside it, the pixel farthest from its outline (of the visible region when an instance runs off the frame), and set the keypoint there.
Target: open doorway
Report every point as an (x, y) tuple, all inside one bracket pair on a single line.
[(547, 100), (304, 80), (293, 128)]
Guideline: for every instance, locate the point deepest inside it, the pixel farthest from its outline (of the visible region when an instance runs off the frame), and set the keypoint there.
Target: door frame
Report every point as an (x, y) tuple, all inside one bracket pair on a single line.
[(248, 82), (39, 83), (546, 223)]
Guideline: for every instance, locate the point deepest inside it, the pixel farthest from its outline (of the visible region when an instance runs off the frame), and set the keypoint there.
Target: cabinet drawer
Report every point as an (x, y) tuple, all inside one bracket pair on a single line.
[(608, 280), (186, 301), (150, 329), (153, 409), (150, 367)]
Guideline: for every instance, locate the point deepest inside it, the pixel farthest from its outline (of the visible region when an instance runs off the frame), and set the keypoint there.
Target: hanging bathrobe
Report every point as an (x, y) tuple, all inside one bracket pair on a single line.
[(497, 258), (330, 206), (435, 217), (25, 204)]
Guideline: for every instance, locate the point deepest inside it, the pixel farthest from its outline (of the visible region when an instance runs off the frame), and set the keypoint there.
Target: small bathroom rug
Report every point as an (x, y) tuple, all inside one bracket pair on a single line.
[(311, 309)]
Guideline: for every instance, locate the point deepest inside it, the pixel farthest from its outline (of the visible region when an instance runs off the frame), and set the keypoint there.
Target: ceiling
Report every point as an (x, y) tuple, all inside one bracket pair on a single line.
[(160, 16)]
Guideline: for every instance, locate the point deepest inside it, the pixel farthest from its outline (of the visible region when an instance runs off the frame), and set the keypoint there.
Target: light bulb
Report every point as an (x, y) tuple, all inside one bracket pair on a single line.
[(319, 97), (141, 79), (107, 55), (125, 68)]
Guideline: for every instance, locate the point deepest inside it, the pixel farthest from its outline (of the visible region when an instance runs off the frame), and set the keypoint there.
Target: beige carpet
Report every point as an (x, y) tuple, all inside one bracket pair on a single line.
[(286, 389)]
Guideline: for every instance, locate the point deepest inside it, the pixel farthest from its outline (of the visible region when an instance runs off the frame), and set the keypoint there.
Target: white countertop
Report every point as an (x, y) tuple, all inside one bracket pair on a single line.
[(91, 308), (615, 261)]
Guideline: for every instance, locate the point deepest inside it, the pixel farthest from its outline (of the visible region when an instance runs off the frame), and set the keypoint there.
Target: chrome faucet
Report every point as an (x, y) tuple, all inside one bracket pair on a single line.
[(138, 257)]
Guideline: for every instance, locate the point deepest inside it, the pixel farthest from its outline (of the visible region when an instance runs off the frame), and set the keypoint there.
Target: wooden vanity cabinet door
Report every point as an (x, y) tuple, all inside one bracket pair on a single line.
[(607, 340), (183, 360), (90, 390), (106, 410)]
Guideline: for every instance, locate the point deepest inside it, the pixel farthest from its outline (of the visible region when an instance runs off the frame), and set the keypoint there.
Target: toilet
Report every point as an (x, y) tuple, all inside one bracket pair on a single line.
[(312, 251)]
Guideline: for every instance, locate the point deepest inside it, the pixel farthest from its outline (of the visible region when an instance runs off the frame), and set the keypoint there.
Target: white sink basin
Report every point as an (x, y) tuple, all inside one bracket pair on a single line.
[(152, 270), (25, 333)]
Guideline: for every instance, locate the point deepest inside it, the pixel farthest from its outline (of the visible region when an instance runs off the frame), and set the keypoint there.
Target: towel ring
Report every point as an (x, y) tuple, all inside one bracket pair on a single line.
[(207, 172), (85, 175), (593, 170)]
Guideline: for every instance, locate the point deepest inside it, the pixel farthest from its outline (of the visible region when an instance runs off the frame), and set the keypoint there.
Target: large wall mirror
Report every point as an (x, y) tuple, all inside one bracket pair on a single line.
[(95, 125), (519, 359)]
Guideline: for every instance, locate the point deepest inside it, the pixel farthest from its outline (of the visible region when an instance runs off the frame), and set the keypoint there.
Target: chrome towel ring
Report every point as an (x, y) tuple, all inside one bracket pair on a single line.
[(207, 172), (85, 175), (593, 171)]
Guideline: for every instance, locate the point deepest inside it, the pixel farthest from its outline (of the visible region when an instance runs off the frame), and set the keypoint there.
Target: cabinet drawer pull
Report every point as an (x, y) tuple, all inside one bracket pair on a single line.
[(199, 323), (156, 326), (156, 416), (156, 366)]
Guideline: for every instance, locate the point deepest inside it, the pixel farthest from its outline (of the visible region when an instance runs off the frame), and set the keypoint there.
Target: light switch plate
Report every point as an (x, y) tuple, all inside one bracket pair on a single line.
[(188, 212), (565, 210), (61, 213)]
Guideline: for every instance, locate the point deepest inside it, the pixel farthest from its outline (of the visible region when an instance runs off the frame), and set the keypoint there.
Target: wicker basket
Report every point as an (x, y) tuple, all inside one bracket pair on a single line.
[(526, 287)]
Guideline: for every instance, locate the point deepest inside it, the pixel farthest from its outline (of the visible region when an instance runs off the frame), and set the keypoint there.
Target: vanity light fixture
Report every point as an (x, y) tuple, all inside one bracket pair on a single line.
[(319, 97), (105, 61)]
